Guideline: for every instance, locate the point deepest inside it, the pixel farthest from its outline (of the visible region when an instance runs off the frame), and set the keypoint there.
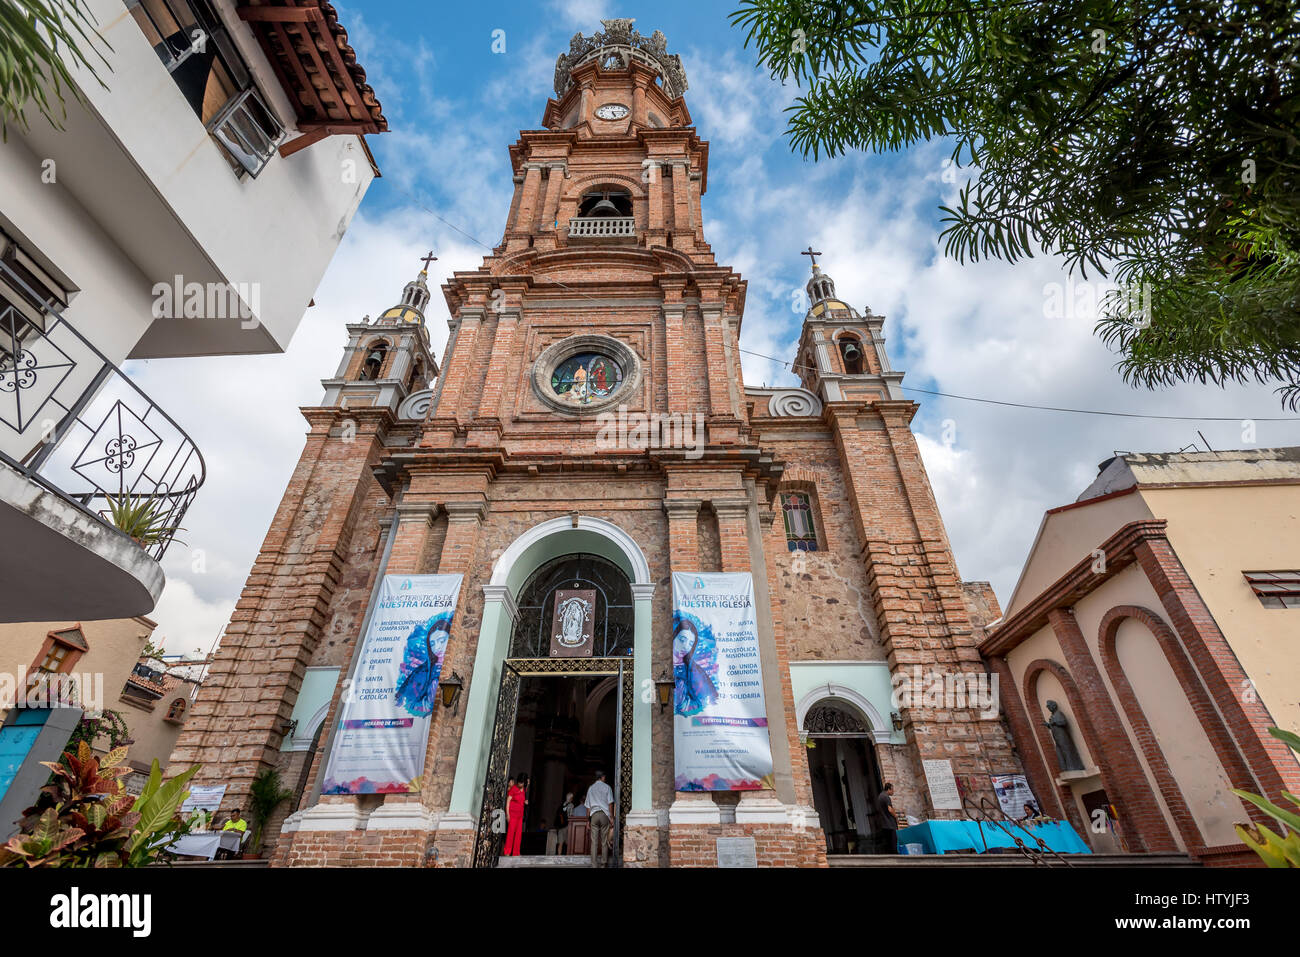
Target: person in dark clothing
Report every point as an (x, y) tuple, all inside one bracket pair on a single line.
[(888, 820)]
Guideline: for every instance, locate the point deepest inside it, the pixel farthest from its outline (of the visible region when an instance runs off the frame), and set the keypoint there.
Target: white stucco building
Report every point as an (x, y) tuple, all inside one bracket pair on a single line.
[(189, 206)]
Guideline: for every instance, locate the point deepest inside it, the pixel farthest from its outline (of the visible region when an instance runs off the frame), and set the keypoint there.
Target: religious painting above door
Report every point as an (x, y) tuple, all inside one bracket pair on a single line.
[(572, 632)]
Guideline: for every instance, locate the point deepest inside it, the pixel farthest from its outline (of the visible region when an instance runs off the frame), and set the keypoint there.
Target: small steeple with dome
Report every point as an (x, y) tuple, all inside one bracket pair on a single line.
[(388, 362), (415, 297), (842, 351)]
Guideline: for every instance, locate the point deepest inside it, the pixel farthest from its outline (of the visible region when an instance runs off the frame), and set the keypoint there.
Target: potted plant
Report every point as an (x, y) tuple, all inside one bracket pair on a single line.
[(264, 796), (141, 518)]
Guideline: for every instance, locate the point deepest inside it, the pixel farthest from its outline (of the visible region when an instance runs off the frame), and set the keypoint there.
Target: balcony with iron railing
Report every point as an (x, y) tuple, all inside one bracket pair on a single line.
[(80, 445), (602, 227)]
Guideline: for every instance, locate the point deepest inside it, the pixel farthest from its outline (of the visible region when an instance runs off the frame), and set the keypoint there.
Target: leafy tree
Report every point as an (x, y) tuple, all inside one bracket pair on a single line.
[(264, 796), (1151, 142), (1274, 849), (85, 818), (35, 38)]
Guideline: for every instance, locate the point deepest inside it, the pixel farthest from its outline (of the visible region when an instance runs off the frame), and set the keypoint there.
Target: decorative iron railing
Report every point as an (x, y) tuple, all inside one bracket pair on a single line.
[(602, 226), (76, 424), (986, 813)]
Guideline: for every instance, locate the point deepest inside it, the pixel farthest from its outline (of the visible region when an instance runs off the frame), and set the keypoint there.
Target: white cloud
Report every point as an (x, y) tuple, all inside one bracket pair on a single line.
[(585, 15), (187, 622), (974, 330)]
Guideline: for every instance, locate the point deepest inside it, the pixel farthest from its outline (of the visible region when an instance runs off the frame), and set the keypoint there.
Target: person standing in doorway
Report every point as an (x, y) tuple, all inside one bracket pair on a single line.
[(600, 802), (888, 819), (562, 824), (516, 801)]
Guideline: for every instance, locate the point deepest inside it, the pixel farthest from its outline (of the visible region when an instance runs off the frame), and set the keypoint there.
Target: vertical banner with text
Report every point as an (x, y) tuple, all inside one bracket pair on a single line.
[(384, 728), (720, 738)]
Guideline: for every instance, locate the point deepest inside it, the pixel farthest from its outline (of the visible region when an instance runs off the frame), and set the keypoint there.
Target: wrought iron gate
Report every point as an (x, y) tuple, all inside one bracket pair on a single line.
[(492, 811)]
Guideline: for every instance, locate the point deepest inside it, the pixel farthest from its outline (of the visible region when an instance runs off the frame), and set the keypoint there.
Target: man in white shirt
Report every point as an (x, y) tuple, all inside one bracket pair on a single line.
[(600, 802)]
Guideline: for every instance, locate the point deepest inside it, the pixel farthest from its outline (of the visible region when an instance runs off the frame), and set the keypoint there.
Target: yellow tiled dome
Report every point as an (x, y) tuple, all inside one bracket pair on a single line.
[(400, 314)]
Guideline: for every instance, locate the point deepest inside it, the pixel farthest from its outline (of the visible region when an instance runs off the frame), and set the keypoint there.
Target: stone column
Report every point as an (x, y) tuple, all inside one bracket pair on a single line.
[(456, 830), (525, 222), (683, 235), (674, 315), (440, 429)]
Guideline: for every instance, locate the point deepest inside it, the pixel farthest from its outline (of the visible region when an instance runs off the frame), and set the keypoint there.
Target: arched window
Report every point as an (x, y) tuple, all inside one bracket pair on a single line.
[(374, 364), (176, 711), (416, 378), (852, 354), (612, 625), (800, 530)]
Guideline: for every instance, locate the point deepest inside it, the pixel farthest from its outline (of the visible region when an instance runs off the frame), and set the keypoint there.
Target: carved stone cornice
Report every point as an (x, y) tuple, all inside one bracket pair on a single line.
[(683, 508), (465, 511)]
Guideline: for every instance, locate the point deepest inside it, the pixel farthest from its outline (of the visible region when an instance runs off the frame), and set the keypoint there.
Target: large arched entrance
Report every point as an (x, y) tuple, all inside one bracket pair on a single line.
[(563, 714), (845, 776), (548, 710)]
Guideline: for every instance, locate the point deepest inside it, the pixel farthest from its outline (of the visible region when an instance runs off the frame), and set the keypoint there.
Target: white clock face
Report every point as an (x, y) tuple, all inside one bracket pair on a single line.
[(612, 111)]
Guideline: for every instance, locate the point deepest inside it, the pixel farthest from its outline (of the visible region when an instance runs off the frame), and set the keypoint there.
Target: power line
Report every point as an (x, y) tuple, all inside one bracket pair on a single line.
[(1055, 408), (946, 395)]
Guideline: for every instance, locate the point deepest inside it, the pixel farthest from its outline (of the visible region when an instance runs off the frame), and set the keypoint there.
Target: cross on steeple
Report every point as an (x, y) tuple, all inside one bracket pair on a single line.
[(811, 254), (428, 259)]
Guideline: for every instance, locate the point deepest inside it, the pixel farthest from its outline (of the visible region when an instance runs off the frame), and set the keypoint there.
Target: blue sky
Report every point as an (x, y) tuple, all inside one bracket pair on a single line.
[(455, 106)]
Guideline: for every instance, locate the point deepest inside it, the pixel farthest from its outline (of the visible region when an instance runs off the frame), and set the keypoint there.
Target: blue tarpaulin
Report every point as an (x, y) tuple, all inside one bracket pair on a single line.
[(944, 837)]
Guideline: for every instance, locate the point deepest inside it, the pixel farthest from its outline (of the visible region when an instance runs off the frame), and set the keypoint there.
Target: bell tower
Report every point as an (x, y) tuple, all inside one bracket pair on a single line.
[(841, 352), (387, 360), (617, 160)]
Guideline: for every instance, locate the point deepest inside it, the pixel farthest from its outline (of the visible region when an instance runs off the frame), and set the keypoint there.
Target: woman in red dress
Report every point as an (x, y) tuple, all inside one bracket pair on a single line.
[(516, 801)]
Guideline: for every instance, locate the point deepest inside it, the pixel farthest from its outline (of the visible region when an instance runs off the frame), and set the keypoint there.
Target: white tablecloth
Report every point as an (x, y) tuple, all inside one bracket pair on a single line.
[(205, 843)]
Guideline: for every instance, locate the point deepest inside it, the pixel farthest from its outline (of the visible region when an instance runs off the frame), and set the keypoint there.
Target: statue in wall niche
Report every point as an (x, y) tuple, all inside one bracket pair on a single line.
[(1067, 755)]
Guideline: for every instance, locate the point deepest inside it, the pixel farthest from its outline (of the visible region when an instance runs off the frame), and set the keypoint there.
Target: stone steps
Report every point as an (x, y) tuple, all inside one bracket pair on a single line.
[(252, 863), (545, 860), (1008, 860)]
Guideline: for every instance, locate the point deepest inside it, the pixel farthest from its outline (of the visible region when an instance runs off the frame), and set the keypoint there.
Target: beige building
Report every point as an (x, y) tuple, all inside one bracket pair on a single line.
[(1161, 613), (100, 654), (154, 702)]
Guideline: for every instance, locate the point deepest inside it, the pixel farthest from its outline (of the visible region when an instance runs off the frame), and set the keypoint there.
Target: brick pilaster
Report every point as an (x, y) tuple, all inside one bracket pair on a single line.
[(1126, 783), (236, 725), (1271, 761)]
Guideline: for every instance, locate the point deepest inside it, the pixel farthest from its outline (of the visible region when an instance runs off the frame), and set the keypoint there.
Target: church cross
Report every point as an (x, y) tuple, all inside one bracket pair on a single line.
[(432, 258), (811, 254)]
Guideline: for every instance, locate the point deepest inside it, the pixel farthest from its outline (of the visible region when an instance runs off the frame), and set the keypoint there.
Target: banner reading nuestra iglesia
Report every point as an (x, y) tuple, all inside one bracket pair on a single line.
[(384, 730), (720, 738)]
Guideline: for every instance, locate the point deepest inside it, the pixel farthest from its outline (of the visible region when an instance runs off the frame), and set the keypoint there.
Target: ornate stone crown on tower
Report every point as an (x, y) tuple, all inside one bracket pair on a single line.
[(619, 44)]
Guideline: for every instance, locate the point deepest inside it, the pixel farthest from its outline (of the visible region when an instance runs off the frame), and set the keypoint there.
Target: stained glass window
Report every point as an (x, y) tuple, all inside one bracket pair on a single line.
[(800, 532), (589, 375)]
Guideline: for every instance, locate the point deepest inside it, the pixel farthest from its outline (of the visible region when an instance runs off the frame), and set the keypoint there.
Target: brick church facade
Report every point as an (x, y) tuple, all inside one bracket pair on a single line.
[(512, 463)]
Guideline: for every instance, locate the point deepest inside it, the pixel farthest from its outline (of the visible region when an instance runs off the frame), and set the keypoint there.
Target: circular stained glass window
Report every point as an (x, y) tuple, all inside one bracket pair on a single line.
[(586, 377)]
